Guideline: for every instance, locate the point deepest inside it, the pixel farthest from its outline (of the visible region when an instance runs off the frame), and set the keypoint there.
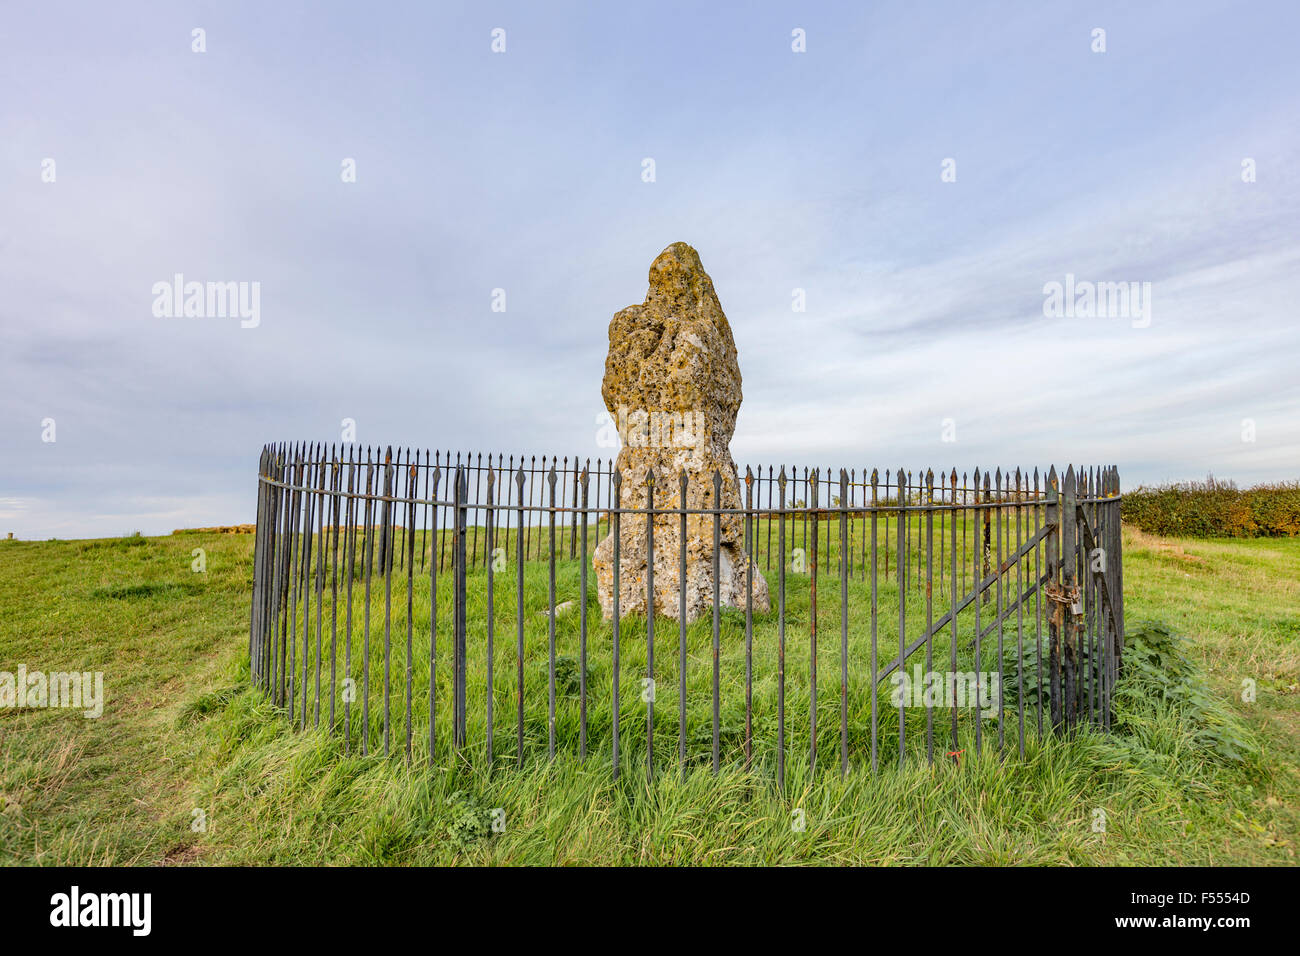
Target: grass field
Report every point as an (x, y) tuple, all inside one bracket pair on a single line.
[(182, 732)]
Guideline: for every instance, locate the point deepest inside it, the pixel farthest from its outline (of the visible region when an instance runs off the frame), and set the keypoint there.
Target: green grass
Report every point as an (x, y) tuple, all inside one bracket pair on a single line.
[(182, 731)]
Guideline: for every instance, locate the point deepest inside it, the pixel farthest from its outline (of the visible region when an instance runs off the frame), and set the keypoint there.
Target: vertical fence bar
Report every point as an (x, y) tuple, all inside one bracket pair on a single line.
[(1078, 622), (616, 505), (460, 664), (1095, 607), (320, 579), (1108, 596), (269, 608), (844, 622), (1090, 594), (902, 564), (270, 495), (433, 622), (780, 652), (1039, 510), (1108, 632), (489, 562), (953, 590), (282, 510), (1119, 577), (295, 564), (336, 486), (750, 566), (810, 511), (682, 481), (1000, 608), (1113, 557), (368, 555), (1068, 560), (270, 547), (1020, 612), (282, 572), (717, 608), (582, 623), (550, 616), (280, 524), (386, 559), (1100, 569), (1116, 569), (978, 574), (1103, 596), (649, 694), (308, 538), (1053, 610), (519, 608), (875, 607), (929, 607), (412, 491)]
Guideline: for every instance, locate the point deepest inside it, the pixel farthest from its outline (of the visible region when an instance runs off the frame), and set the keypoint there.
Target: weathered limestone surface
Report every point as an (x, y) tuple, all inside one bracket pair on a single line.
[(672, 383)]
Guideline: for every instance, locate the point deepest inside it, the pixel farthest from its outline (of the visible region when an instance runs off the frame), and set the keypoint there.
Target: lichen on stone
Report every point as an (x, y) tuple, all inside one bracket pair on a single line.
[(672, 382)]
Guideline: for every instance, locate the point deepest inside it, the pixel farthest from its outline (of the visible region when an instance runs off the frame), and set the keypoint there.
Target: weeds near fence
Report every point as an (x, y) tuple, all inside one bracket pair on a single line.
[(1161, 680)]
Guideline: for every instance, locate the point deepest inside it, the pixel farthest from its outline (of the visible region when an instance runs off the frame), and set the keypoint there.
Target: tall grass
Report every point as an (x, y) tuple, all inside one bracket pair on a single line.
[(1079, 799), (183, 731)]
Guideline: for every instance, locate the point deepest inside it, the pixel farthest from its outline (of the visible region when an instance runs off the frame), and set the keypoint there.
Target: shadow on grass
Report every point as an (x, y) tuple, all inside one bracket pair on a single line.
[(130, 592)]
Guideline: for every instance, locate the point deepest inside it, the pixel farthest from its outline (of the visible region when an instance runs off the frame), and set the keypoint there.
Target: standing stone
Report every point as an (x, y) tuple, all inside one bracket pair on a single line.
[(672, 385)]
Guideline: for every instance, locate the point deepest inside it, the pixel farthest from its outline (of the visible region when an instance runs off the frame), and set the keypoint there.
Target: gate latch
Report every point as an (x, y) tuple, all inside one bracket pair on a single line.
[(1063, 597)]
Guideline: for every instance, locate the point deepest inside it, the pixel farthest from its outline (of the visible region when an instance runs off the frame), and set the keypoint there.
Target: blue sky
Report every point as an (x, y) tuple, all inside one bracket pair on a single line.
[(522, 171)]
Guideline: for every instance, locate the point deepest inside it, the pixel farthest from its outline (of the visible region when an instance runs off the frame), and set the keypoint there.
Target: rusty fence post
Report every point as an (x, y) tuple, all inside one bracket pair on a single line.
[(458, 618), (1053, 521)]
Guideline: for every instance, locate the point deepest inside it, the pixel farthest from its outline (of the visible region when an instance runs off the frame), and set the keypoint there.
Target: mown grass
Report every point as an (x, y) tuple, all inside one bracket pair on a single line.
[(182, 732)]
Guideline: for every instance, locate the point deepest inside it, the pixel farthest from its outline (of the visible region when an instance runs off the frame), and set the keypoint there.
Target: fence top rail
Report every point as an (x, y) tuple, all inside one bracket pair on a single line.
[(1020, 482), (882, 506), (323, 451)]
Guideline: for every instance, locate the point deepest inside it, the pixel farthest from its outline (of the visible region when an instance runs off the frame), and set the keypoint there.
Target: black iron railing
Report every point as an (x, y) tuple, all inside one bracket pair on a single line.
[(404, 571)]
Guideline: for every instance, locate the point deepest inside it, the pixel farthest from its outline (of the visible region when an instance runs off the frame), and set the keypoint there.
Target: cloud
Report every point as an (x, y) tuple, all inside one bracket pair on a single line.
[(522, 172)]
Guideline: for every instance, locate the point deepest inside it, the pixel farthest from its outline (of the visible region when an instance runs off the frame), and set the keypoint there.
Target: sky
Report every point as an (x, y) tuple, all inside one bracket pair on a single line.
[(921, 172)]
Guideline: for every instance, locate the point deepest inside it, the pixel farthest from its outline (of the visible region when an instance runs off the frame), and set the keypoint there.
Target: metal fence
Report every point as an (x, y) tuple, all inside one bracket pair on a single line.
[(445, 609)]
